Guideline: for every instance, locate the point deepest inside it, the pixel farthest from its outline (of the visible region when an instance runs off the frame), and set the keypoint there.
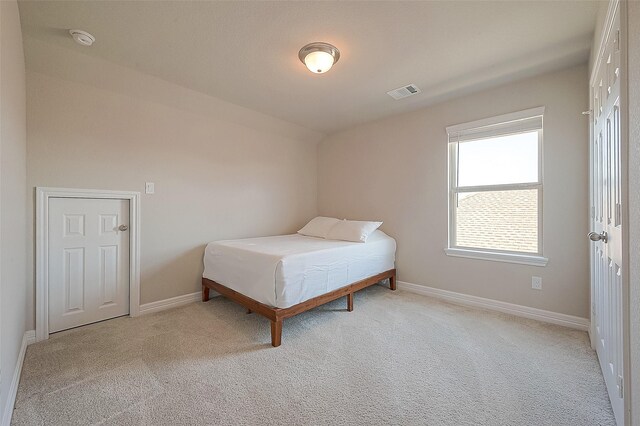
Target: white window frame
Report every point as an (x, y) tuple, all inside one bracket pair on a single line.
[(516, 122)]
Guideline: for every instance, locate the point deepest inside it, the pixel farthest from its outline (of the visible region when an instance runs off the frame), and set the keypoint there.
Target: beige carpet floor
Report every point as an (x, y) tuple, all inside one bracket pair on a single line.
[(398, 359)]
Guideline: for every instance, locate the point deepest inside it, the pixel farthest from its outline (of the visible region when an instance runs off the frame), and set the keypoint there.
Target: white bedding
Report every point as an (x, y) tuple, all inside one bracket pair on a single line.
[(285, 270)]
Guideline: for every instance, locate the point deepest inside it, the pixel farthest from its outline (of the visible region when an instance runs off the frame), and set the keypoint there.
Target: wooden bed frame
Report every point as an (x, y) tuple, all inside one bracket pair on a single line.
[(277, 315)]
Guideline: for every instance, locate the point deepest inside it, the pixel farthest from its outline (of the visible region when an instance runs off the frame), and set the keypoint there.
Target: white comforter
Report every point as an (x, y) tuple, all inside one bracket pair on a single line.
[(285, 270)]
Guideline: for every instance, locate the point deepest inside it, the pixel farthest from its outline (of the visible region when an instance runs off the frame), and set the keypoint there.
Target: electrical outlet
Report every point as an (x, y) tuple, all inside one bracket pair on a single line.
[(536, 283)]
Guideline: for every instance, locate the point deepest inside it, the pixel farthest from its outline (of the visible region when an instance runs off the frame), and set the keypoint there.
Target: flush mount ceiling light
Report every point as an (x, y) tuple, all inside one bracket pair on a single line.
[(319, 57), (82, 37)]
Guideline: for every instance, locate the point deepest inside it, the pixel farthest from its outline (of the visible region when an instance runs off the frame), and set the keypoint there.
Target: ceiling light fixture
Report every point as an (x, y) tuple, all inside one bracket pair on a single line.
[(319, 57), (82, 37)]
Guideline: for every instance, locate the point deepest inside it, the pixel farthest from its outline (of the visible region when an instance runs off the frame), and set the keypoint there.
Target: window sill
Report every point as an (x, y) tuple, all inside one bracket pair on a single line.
[(522, 259)]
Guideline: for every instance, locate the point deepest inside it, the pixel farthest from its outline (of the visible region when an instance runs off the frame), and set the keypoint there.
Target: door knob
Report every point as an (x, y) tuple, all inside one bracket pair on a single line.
[(594, 236), (123, 227)]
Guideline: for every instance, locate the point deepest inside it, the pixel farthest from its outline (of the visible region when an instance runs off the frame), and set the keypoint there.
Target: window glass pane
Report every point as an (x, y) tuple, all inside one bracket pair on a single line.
[(498, 220), (499, 160)]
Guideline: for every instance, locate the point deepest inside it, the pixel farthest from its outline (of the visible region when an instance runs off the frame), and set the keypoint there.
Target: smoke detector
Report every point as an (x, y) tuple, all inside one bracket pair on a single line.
[(404, 91), (82, 37)]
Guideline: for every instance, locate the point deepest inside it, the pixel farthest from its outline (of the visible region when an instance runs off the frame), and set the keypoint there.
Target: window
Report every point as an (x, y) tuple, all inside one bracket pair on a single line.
[(495, 188)]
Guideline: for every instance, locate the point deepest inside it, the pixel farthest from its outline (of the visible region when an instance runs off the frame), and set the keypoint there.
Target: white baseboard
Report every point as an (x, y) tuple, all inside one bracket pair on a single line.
[(173, 302), (495, 305), (28, 338)]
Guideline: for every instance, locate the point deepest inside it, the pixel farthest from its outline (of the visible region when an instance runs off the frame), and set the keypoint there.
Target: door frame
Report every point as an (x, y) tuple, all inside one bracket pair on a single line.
[(43, 194), (624, 152)]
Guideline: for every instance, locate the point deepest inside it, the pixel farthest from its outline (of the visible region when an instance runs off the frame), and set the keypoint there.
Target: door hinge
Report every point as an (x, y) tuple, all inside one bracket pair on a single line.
[(620, 387)]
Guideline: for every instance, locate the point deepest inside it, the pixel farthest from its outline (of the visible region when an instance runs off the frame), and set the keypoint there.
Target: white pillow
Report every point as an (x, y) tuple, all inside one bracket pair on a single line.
[(319, 226), (352, 230)]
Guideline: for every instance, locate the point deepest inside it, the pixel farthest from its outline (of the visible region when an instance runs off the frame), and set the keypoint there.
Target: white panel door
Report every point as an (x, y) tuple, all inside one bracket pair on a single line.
[(88, 261), (606, 219)]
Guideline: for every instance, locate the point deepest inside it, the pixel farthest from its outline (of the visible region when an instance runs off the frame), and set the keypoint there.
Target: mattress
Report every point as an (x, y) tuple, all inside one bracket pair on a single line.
[(285, 270)]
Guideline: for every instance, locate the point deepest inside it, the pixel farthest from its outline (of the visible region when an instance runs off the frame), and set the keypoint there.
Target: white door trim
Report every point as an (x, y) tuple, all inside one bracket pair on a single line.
[(42, 242)]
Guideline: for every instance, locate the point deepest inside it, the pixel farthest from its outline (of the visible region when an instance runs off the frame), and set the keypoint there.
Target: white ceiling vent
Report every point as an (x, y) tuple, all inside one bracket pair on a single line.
[(404, 92)]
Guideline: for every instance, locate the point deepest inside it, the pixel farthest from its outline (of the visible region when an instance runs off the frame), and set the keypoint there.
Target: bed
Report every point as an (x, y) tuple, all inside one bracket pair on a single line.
[(281, 276)]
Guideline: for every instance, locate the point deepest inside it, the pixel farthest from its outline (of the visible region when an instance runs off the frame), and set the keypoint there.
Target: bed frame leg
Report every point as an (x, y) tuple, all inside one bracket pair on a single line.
[(249, 311), (350, 302), (276, 333), (392, 281), (205, 293)]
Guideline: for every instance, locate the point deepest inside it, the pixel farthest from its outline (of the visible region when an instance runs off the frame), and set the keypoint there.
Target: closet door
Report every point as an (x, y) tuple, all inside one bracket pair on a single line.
[(88, 261), (607, 219)]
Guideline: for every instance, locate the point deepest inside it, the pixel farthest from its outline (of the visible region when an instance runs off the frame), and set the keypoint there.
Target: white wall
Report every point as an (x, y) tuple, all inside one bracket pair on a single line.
[(220, 171), (13, 197), (395, 170), (634, 202)]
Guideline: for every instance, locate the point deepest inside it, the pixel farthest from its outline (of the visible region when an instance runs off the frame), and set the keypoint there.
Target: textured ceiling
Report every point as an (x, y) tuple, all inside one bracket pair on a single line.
[(246, 52)]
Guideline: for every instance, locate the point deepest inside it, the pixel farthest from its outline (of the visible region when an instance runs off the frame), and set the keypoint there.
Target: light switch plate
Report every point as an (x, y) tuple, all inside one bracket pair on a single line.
[(149, 188)]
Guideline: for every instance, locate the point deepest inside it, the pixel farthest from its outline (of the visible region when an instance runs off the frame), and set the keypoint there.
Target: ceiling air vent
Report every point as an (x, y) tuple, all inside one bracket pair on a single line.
[(404, 92)]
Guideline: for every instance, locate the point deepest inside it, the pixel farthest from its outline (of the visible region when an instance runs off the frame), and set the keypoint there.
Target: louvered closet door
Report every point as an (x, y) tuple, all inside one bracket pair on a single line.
[(88, 261), (607, 223)]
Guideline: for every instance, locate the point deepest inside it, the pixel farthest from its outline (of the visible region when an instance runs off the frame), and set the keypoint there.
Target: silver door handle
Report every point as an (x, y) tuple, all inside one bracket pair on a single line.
[(594, 236), (123, 227)]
